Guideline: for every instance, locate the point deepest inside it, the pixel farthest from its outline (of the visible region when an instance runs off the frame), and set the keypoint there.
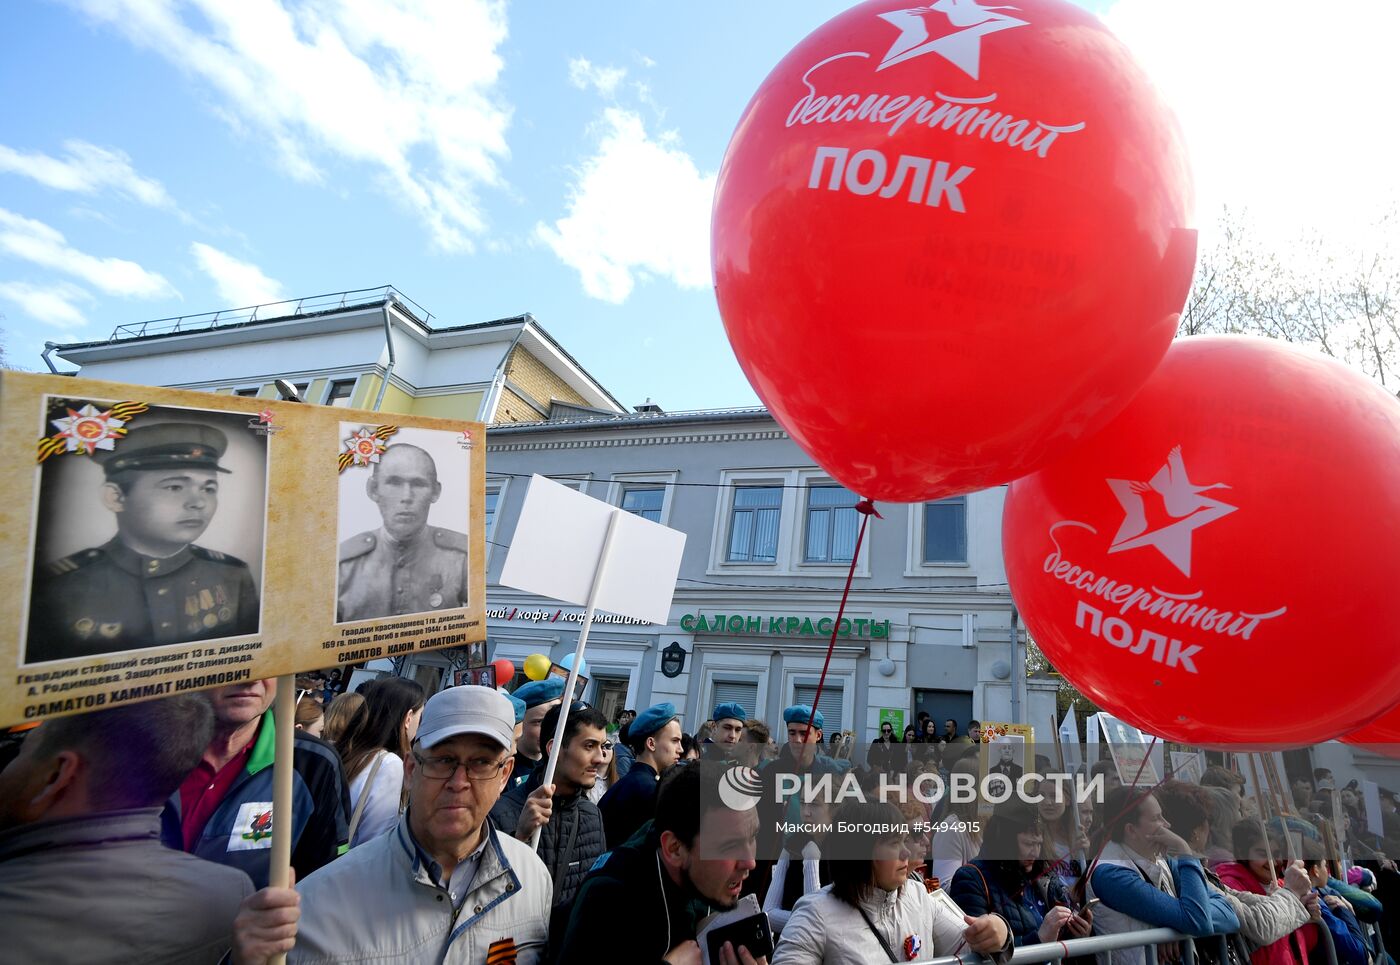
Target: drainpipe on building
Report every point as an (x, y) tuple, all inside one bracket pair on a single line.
[(498, 381), (1018, 672), (389, 343), (49, 347)]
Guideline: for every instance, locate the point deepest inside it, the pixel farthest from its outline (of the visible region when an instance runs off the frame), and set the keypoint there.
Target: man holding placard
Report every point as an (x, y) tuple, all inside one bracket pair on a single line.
[(572, 838), (444, 885)]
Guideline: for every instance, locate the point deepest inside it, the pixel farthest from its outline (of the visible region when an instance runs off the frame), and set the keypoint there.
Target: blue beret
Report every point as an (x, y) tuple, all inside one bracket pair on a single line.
[(651, 720), (730, 711), (538, 692), (798, 714), (519, 706)]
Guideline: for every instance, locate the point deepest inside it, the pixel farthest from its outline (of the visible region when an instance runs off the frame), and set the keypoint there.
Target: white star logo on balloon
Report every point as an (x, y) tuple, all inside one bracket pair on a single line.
[(88, 429), (962, 48), (1181, 501)]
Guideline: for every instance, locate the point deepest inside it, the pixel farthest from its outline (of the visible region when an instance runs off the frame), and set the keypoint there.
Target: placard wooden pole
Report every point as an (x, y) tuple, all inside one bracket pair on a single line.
[(284, 720), (284, 724), (568, 699), (1263, 812)]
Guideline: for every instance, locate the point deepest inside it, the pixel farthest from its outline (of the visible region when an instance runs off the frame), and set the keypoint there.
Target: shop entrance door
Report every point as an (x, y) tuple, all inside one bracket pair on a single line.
[(610, 696), (942, 704)]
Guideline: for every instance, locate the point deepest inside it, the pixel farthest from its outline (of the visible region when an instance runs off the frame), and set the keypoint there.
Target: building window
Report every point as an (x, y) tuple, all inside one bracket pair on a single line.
[(340, 392), (832, 703), (247, 393), (753, 524), (493, 497), (644, 502), (945, 530), (832, 523), (741, 692)]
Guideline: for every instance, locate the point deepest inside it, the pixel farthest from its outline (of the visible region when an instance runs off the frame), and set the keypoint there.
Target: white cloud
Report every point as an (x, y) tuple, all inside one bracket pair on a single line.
[(404, 87), (639, 208), (1285, 104), (54, 304), (42, 245), (239, 283), (86, 169), (583, 74)]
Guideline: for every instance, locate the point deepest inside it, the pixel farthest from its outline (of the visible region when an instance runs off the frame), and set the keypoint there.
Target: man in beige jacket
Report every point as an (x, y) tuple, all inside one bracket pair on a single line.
[(443, 886)]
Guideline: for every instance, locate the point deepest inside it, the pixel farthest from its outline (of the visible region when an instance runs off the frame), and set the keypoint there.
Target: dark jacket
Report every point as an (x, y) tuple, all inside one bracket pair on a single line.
[(1022, 904), (890, 758), (102, 888), (239, 833), (1348, 939), (628, 911), (629, 804), (569, 844)]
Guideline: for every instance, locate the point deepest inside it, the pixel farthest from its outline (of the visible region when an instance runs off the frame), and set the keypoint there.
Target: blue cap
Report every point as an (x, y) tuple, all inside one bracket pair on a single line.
[(730, 711), (538, 692), (798, 714), (651, 720), (519, 706)]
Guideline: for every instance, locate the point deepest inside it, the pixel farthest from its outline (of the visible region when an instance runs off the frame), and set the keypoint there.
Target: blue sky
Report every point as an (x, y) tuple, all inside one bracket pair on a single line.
[(161, 158)]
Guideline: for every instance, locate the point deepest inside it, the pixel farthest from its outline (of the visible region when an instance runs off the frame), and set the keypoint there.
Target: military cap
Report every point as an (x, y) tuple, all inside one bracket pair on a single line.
[(798, 714), (519, 706), (538, 692), (165, 445), (729, 711), (651, 720)]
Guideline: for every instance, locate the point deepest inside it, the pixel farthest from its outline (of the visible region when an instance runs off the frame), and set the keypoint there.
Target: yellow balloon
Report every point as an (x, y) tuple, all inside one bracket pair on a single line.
[(537, 666)]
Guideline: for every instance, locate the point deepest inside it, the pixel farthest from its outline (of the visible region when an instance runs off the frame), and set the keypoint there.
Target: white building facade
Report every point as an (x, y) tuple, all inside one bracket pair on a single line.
[(929, 625)]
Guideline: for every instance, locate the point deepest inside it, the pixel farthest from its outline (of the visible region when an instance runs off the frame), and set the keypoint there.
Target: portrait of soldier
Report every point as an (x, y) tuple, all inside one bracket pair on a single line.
[(405, 566), (1006, 760), (149, 585)]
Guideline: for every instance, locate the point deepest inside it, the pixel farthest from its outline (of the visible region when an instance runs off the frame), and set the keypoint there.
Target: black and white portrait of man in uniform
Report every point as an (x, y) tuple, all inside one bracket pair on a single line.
[(152, 583), (404, 565)]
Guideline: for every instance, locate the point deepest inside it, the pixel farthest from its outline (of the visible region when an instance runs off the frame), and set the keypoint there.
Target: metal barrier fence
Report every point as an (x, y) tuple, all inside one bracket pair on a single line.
[(1147, 939)]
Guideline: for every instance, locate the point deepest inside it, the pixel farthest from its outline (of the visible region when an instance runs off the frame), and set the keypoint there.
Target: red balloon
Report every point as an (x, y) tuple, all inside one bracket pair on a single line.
[(1381, 735), (505, 672), (949, 241), (1217, 566)]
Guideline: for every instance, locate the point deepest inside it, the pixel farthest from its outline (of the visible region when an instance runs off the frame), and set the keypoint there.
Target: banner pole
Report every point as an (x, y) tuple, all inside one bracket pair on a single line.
[(1263, 811), (284, 724), (284, 720), (558, 739)]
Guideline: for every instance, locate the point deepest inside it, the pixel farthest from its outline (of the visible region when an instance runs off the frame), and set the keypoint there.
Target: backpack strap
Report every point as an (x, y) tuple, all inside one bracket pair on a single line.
[(364, 796)]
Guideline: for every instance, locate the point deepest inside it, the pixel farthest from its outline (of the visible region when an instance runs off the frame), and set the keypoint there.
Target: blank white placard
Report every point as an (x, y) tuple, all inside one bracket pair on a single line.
[(558, 543)]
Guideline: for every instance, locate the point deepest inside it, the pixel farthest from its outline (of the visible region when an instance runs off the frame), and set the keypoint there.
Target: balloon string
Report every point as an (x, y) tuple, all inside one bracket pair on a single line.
[(1128, 808), (866, 508)]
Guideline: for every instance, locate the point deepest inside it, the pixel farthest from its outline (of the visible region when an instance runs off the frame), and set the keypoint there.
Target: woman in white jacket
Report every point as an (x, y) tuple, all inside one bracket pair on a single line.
[(873, 911), (373, 749)]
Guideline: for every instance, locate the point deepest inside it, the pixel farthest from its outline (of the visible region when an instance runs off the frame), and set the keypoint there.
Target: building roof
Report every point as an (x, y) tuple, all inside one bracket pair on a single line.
[(631, 420), (324, 313)]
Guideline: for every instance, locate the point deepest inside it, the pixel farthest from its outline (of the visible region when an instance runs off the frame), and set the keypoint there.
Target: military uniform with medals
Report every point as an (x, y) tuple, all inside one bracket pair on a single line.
[(384, 577), (112, 598)]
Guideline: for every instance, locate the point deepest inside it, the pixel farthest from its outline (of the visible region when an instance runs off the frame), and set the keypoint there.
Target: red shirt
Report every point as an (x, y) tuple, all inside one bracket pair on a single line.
[(204, 790)]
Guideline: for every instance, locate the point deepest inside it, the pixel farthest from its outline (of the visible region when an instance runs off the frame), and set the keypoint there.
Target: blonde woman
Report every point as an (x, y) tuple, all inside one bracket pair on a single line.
[(373, 750), (338, 716)]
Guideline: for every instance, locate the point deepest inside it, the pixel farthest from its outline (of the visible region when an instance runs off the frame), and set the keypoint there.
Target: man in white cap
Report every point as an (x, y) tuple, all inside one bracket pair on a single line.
[(443, 886)]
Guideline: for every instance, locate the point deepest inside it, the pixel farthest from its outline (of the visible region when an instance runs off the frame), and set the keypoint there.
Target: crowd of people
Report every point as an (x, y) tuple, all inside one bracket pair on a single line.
[(423, 829)]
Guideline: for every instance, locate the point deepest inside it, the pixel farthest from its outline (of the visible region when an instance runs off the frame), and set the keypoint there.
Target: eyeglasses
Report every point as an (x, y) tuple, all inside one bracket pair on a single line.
[(444, 768)]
